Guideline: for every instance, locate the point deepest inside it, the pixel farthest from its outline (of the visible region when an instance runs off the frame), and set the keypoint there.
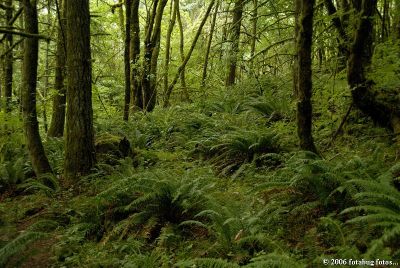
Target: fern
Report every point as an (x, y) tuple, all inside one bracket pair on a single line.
[(275, 260), (18, 245), (207, 263), (378, 205)]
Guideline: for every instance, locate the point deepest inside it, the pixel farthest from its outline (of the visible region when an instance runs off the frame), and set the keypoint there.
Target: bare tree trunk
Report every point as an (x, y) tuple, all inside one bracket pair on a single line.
[(396, 20), (8, 74), (40, 164), (168, 43), (182, 52), (182, 67), (136, 95), (47, 70), (127, 59), (304, 87), (79, 149), (343, 39), (58, 115), (297, 10), (235, 38), (152, 43), (210, 38), (254, 20)]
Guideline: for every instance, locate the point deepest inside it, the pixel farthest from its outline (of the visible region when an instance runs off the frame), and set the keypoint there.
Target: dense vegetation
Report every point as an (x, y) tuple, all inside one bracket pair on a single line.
[(191, 138)]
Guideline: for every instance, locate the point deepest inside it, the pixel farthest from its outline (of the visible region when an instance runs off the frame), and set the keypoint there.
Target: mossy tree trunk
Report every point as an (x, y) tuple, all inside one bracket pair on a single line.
[(40, 163), (343, 40), (56, 128), (167, 58), (136, 92), (127, 60), (234, 40), (304, 74), (8, 58), (150, 58), (79, 150), (209, 43), (185, 93)]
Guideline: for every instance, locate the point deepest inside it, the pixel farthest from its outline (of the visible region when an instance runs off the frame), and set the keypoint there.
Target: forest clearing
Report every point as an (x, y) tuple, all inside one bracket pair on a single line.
[(199, 133)]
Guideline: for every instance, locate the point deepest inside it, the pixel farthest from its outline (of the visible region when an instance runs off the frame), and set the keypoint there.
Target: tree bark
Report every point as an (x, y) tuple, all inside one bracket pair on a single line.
[(208, 50), (168, 43), (152, 44), (127, 60), (343, 39), (8, 60), (56, 128), (40, 163), (136, 96), (182, 52), (235, 38), (297, 10), (396, 21), (304, 87), (79, 151), (183, 65), (364, 97)]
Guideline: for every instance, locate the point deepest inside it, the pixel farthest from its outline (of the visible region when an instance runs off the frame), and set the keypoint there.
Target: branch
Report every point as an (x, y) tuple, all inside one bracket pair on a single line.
[(29, 35), (11, 48), (189, 54), (271, 46), (3, 6), (11, 22)]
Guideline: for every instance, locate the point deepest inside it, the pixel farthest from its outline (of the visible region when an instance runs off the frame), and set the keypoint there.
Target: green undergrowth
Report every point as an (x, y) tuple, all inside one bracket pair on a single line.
[(218, 183)]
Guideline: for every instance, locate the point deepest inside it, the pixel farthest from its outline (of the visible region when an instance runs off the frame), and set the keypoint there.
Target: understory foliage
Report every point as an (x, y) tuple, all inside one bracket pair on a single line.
[(217, 183)]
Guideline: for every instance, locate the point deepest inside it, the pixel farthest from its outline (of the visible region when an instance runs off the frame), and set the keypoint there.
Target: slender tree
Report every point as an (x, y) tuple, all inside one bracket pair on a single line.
[(56, 128), (234, 40), (79, 149), (168, 43), (127, 59), (136, 96), (150, 58), (185, 92), (304, 76), (8, 57), (189, 54), (36, 151), (208, 50), (343, 39)]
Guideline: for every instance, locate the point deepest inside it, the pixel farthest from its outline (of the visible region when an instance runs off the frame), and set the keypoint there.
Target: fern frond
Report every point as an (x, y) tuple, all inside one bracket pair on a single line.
[(18, 245)]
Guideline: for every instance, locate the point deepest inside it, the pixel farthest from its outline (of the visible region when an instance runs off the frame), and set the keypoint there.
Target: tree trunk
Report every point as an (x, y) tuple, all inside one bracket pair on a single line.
[(396, 21), (58, 116), (235, 38), (168, 43), (40, 164), (363, 94), (343, 40), (8, 61), (304, 87), (186, 60), (182, 52), (361, 49), (79, 151), (297, 10), (210, 38), (254, 20), (127, 60), (152, 44), (47, 69), (136, 95)]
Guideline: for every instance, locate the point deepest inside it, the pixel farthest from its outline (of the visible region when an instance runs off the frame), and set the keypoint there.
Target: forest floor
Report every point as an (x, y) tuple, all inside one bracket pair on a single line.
[(220, 184)]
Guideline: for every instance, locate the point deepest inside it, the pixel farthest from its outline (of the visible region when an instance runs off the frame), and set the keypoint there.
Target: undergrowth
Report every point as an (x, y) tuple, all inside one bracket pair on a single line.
[(217, 183)]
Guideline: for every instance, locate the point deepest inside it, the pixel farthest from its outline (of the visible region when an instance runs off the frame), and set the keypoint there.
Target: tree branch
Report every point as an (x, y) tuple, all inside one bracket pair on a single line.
[(38, 36)]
